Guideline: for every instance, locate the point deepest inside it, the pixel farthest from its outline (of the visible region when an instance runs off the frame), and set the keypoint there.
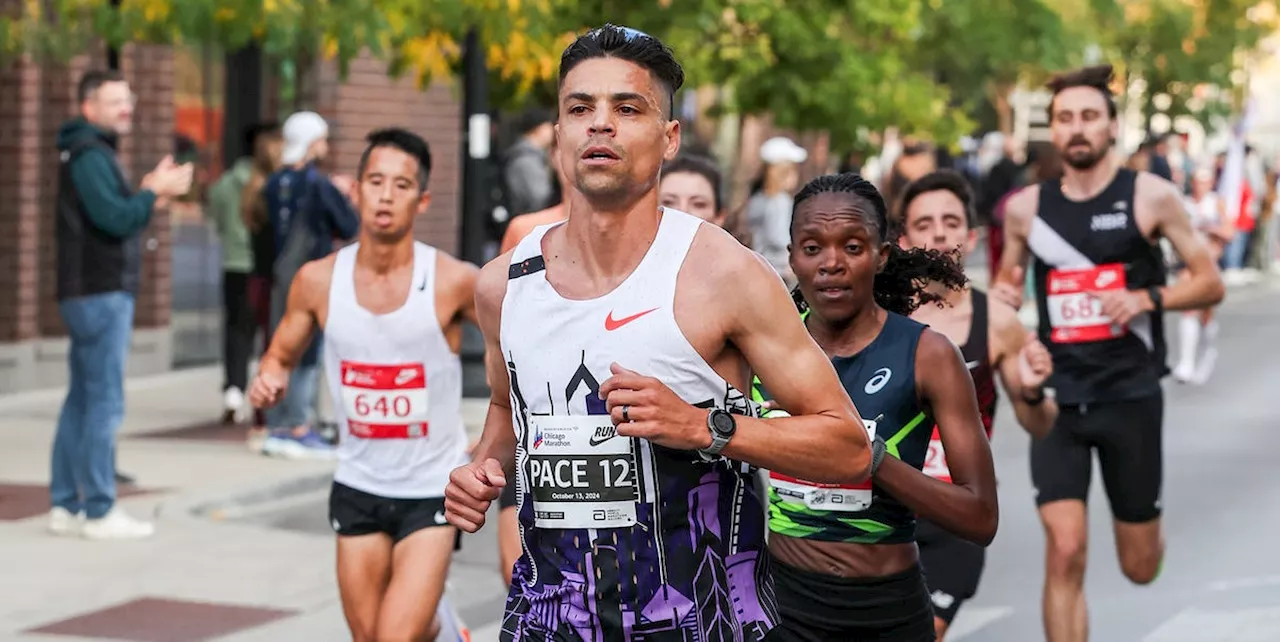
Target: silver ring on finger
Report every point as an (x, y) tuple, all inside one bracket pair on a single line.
[(626, 414)]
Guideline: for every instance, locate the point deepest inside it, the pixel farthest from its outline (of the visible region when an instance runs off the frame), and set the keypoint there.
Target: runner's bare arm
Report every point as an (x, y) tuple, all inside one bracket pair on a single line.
[(462, 277), (968, 506), (472, 487), (1203, 288), (1009, 338), (307, 293), (1009, 284), (824, 440), (499, 438)]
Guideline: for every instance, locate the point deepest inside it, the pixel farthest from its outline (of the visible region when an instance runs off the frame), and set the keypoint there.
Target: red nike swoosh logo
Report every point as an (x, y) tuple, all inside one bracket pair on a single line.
[(612, 324)]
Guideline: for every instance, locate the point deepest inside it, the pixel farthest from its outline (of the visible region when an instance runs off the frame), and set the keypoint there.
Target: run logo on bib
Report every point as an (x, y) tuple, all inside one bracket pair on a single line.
[(848, 498), (935, 461), (385, 401), (1075, 314), (581, 473)]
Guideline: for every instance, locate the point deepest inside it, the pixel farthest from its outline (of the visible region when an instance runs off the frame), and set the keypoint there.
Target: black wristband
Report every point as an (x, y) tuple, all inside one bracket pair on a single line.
[(878, 448), (1157, 299), (1036, 400)]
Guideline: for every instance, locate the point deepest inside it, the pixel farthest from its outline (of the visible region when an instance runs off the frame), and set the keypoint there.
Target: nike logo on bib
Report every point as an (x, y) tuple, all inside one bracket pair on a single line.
[(611, 324)]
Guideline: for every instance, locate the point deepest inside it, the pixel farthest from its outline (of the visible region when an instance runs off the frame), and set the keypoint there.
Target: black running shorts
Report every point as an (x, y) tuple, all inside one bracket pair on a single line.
[(354, 512), (815, 607), (1126, 434), (952, 568)]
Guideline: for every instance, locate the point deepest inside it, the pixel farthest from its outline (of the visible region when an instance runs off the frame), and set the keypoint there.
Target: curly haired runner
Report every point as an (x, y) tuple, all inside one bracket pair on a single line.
[(846, 565)]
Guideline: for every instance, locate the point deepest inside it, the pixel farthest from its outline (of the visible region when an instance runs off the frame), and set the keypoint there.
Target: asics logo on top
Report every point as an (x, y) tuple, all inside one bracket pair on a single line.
[(878, 381), (611, 324), (603, 434), (405, 376)]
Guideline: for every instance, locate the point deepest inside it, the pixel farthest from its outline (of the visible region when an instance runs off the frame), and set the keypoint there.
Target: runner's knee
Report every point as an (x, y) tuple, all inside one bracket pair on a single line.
[(405, 631), (1140, 556), (939, 628), (1066, 551)]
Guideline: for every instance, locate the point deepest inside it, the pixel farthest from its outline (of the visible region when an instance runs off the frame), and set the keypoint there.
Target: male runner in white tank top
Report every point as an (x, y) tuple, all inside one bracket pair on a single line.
[(392, 311), (652, 321)]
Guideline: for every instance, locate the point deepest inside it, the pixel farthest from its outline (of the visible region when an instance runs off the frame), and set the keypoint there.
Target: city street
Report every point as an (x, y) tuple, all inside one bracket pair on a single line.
[(248, 535)]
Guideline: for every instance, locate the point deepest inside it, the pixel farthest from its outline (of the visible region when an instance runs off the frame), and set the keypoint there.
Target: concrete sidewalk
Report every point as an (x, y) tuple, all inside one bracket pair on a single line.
[(195, 478)]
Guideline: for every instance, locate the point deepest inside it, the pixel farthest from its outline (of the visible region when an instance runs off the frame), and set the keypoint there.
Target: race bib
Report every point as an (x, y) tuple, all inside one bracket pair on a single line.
[(935, 461), (848, 498), (385, 401), (581, 473), (1075, 314)]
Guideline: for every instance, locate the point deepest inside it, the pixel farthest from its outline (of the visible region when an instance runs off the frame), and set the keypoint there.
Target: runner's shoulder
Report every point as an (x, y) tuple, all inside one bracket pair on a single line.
[(1151, 191), (314, 277), (934, 349), (718, 260), (455, 272), (1021, 206), (491, 285)]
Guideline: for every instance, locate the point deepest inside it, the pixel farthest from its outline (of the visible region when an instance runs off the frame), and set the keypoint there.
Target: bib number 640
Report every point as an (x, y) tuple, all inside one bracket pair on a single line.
[(397, 406)]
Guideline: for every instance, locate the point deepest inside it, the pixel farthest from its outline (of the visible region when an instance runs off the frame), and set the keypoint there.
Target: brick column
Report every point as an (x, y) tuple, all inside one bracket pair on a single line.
[(19, 201)]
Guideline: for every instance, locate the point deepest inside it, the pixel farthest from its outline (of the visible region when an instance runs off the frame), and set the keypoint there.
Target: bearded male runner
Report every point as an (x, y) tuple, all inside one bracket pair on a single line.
[(391, 310), (1099, 279), (619, 344), (937, 212)]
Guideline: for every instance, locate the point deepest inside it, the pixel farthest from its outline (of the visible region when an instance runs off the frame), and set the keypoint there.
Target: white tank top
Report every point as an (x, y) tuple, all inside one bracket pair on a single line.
[(1204, 212), (396, 385)]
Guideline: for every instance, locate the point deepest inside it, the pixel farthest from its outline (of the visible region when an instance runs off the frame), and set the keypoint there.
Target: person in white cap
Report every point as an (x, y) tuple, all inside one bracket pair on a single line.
[(306, 210), (769, 209)]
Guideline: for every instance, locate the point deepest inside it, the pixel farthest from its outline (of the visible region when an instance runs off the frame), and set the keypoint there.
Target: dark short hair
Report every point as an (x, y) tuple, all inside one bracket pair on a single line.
[(405, 141), (940, 180), (612, 41), (700, 165), (258, 130), (95, 78), (1097, 77)]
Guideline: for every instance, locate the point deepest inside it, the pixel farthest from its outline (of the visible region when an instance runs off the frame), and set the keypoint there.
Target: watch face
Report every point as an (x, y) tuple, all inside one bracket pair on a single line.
[(723, 423)]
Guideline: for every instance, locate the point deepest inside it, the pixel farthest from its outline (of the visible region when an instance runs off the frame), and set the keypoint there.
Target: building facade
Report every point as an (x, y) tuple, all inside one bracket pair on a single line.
[(178, 308)]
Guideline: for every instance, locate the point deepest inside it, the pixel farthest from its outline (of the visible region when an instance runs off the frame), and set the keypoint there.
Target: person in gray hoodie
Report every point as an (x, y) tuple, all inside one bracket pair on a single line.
[(100, 218)]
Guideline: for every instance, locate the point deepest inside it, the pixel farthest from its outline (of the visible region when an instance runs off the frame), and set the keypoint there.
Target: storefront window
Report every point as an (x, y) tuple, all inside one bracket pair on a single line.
[(199, 75)]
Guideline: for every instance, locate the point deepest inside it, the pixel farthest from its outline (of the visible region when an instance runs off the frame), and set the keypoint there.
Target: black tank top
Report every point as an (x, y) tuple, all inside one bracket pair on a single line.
[(977, 358), (881, 381), (1083, 247)]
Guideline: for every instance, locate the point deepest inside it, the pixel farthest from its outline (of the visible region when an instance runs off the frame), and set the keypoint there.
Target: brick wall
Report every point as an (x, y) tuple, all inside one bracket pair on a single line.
[(369, 100), (19, 201), (38, 99)]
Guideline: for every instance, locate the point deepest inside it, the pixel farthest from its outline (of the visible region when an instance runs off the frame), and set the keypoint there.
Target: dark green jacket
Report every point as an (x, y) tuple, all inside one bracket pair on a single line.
[(99, 215)]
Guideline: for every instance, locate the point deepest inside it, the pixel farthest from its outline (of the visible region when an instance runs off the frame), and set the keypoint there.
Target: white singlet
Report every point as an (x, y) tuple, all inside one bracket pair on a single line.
[(396, 385)]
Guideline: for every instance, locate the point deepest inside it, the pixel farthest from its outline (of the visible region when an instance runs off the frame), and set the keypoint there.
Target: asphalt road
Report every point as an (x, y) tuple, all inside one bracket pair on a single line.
[(1221, 578)]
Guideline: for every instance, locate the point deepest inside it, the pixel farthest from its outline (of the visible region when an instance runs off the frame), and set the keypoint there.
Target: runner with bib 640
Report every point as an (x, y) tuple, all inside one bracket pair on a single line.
[(392, 311), (1099, 279), (619, 344), (846, 566)]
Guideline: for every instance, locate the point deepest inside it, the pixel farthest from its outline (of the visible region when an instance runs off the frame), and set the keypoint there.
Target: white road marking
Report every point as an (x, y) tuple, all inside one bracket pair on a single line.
[(970, 620), (1239, 625), (1244, 583)]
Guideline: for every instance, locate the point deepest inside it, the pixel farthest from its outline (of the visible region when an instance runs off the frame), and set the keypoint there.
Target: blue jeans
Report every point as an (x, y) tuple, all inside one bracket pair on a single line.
[(84, 449), (1233, 255), (297, 408)]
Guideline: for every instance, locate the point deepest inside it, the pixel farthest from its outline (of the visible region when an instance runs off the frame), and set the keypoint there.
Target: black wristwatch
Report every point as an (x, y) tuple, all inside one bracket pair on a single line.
[(1157, 299), (722, 427), (878, 449), (1036, 400)]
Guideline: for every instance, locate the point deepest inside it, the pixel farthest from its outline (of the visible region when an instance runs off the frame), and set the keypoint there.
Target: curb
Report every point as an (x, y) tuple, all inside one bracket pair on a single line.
[(253, 501)]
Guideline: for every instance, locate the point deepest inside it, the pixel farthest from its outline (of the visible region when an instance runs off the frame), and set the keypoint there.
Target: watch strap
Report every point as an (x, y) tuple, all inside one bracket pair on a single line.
[(878, 450)]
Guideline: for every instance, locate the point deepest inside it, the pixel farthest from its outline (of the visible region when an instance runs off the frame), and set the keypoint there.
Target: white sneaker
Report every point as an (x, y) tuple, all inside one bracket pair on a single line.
[(64, 522), (1205, 369), (117, 524), (233, 403)]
